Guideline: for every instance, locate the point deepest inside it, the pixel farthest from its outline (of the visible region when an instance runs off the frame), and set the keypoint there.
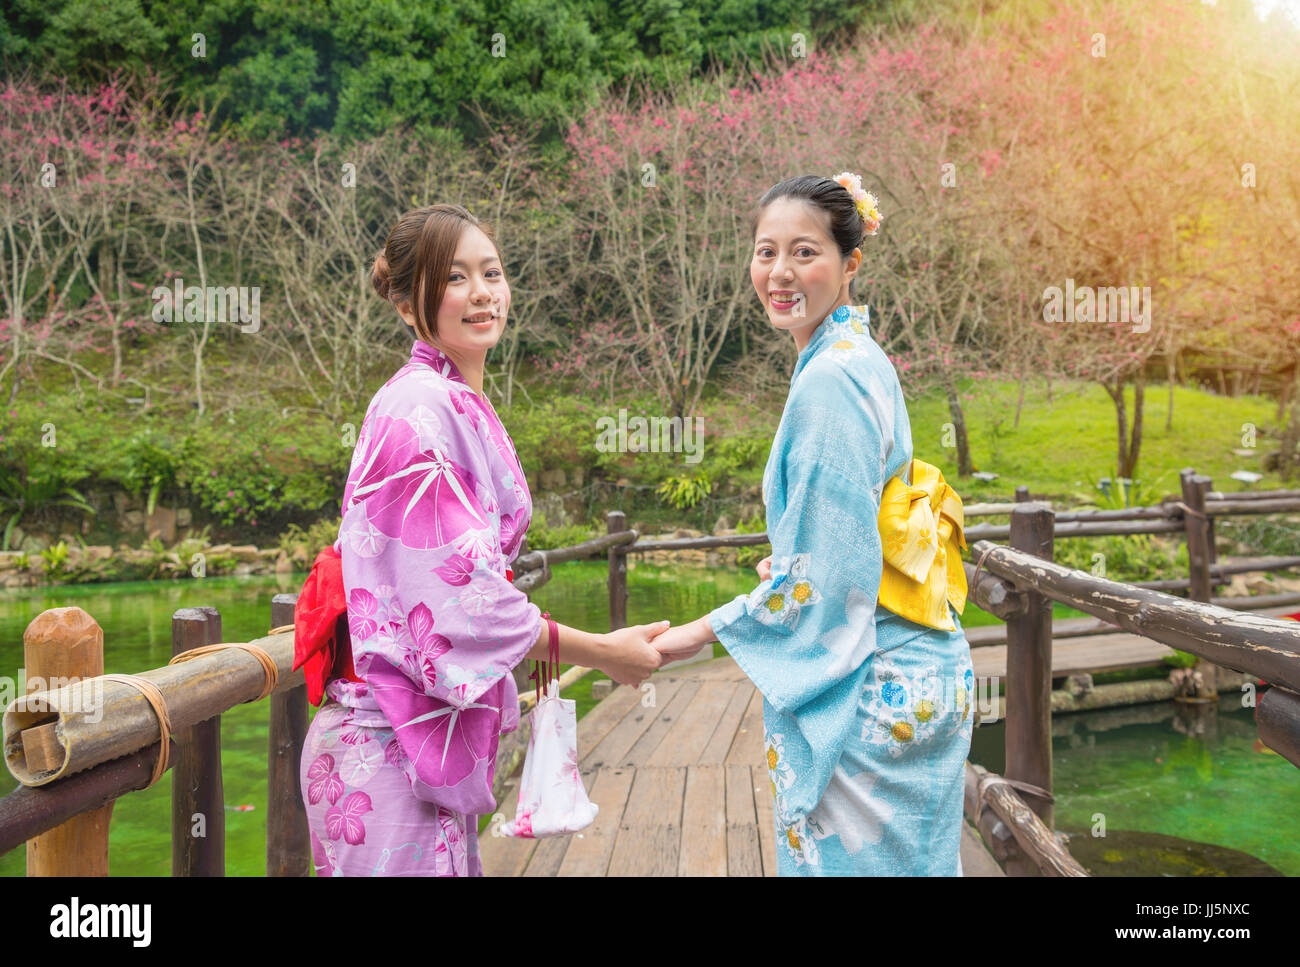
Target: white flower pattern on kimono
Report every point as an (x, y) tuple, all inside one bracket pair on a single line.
[(485, 499), (476, 543), (848, 809), (428, 428), (478, 597), (854, 640), (361, 762), (904, 712), (365, 538), (779, 773)]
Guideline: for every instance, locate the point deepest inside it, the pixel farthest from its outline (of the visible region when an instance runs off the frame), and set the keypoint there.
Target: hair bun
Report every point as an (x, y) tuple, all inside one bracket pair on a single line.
[(379, 275)]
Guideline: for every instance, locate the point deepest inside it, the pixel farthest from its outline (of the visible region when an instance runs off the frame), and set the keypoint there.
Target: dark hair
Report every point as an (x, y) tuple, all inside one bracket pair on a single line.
[(421, 247), (847, 228)]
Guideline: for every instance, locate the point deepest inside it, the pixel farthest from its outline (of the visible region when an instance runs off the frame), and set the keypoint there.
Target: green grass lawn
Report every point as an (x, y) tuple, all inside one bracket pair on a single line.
[(1062, 448)]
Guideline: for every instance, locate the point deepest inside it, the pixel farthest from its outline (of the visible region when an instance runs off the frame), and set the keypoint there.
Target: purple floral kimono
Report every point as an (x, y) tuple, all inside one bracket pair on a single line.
[(397, 768)]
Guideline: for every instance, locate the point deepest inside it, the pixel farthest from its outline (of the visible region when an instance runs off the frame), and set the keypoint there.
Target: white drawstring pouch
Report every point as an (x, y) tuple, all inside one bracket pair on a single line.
[(552, 798)]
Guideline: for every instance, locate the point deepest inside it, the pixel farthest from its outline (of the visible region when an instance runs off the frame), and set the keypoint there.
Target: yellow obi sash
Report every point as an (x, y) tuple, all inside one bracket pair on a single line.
[(921, 533)]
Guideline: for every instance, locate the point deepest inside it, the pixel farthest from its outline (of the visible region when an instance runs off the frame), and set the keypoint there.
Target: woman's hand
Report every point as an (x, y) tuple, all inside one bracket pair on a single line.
[(629, 657), (678, 643), (764, 568)]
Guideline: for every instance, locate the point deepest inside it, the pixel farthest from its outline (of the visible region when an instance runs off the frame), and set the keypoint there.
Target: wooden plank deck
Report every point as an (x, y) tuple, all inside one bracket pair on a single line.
[(1090, 653), (679, 776)]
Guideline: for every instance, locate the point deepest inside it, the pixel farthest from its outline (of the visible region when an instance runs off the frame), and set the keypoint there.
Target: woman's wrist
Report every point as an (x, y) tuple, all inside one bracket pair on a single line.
[(576, 647)]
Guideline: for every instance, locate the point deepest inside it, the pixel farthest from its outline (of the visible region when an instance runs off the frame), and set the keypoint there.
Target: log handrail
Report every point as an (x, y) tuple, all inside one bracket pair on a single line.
[(1268, 648)]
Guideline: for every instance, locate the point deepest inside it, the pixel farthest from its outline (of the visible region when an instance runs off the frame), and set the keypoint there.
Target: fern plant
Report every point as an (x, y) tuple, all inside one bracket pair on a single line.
[(38, 491), (685, 492)]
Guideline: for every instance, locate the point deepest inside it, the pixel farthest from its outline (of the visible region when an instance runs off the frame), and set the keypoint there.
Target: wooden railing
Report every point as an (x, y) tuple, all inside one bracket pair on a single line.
[(64, 822), (80, 756)]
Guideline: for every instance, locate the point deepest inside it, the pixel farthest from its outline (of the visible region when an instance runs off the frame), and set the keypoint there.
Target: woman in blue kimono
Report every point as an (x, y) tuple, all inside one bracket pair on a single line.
[(866, 713)]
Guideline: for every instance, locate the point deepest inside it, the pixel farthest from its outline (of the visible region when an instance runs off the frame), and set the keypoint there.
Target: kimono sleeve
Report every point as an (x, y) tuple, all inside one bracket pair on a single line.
[(436, 627), (807, 631)]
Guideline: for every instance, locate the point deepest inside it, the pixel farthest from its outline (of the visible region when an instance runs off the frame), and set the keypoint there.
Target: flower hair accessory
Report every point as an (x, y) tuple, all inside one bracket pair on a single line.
[(865, 200)]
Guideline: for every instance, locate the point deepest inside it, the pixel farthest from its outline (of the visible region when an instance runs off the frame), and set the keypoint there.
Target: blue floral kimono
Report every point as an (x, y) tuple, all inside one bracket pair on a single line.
[(866, 714)]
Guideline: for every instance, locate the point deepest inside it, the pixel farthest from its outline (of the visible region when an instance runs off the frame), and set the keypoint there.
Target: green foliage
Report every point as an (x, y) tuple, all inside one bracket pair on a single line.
[(683, 492), (258, 474), (556, 434), (1263, 536), (542, 537), (43, 489), (56, 559), (150, 461), (750, 556), (323, 533), (1126, 558), (277, 69), (1122, 495), (732, 454)]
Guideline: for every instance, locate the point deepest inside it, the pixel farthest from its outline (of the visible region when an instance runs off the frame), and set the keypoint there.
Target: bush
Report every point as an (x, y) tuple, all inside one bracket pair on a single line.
[(557, 434), (315, 538), (1126, 558), (544, 538), (751, 555), (258, 474)]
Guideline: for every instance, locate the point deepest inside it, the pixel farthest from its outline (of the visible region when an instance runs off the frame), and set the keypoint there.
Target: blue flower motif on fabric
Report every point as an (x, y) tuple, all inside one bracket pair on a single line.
[(840, 314), (894, 694)]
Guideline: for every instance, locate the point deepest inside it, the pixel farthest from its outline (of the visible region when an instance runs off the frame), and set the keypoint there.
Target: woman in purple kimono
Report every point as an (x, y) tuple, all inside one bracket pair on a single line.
[(400, 759)]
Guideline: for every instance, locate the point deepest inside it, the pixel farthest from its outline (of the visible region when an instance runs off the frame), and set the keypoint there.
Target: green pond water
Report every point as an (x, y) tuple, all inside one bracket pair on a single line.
[(1177, 804)]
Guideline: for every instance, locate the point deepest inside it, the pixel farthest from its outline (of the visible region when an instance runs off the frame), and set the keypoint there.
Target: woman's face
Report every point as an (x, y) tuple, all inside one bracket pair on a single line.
[(797, 270), (472, 314)]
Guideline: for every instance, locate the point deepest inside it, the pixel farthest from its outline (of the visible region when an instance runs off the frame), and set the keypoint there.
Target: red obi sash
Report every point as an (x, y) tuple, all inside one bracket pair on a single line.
[(322, 646)]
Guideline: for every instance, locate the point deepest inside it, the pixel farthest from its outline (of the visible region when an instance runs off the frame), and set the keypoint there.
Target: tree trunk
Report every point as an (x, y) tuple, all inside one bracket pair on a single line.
[(1135, 437), (1121, 420), (1171, 368), (959, 423), (1291, 434)]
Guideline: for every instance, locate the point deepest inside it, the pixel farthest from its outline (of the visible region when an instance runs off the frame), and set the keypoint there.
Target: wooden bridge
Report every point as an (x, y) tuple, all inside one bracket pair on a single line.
[(677, 771)]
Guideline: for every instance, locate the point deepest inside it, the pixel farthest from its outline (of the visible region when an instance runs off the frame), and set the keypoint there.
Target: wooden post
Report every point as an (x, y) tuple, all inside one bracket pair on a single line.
[(66, 643), (615, 521), (288, 840), (1022, 494), (1029, 671), (1203, 483), (1197, 527), (524, 668), (198, 798)]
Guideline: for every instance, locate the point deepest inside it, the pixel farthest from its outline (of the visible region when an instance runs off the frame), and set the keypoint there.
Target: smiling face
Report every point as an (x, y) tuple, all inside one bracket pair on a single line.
[(797, 269), (473, 310)]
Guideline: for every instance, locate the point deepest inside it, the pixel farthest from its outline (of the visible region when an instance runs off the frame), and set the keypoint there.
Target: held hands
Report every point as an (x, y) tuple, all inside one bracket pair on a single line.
[(681, 642), (630, 654)]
